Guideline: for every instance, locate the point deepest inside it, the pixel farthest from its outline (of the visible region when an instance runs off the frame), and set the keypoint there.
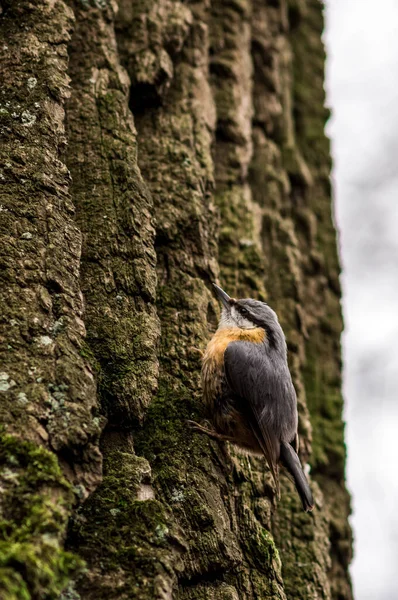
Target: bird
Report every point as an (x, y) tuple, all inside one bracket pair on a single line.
[(248, 390)]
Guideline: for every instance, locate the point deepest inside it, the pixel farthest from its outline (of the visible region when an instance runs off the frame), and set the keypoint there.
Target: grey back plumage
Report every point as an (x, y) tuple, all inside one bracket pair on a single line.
[(260, 377)]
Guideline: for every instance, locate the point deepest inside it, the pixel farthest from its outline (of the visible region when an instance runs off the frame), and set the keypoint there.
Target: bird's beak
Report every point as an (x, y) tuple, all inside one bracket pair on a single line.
[(222, 296)]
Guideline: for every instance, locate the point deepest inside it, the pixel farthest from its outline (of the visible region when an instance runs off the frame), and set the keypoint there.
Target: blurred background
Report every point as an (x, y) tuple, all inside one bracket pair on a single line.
[(362, 89)]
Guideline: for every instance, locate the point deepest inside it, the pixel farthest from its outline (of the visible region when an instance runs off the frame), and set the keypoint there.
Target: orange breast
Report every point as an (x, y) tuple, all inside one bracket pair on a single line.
[(213, 359), (219, 342)]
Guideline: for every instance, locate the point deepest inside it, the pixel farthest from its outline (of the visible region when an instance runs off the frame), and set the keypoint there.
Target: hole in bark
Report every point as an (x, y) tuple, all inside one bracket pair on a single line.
[(54, 287), (217, 575), (143, 97), (295, 16)]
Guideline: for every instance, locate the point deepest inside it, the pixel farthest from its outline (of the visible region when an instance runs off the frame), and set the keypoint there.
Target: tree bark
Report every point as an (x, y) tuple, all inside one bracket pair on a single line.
[(150, 148)]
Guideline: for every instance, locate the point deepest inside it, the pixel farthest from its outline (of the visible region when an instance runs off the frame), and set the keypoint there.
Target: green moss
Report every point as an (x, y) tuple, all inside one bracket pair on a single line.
[(36, 501), (240, 255), (118, 532), (310, 112), (165, 427), (261, 550), (325, 403)]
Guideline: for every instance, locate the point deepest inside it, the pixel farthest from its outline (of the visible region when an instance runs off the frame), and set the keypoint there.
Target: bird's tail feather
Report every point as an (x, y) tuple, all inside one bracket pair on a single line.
[(290, 460)]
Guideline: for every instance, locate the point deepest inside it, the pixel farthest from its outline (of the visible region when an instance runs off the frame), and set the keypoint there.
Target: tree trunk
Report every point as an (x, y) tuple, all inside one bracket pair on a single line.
[(193, 134)]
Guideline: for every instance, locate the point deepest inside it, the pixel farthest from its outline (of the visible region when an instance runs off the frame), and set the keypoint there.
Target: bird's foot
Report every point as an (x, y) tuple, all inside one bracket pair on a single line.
[(210, 432), (197, 351)]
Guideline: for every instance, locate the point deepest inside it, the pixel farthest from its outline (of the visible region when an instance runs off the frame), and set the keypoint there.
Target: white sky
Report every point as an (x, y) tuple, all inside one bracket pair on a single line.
[(362, 88)]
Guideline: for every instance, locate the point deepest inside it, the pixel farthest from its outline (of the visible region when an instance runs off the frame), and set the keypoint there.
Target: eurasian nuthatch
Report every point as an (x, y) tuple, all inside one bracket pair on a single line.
[(248, 389)]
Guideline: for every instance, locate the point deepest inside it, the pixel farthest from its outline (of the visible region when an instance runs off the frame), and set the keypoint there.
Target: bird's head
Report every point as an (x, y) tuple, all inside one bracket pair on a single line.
[(246, 313)]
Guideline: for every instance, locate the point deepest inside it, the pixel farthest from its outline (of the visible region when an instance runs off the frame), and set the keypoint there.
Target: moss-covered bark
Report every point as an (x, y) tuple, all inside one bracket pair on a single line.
[(47, 387), (196, 151)]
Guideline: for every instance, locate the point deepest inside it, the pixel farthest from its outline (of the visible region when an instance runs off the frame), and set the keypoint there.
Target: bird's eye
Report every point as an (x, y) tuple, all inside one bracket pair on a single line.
[(244, 311)]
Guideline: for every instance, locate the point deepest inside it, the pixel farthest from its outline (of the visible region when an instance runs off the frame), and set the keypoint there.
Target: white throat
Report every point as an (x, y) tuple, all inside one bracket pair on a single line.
[(232, 318)]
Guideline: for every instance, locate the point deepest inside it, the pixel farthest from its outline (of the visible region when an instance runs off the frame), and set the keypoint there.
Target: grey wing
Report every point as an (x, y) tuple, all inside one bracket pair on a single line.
[(267, 396)]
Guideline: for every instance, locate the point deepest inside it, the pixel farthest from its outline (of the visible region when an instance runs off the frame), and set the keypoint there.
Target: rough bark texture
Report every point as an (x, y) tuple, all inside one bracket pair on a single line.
[(193, 134)]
